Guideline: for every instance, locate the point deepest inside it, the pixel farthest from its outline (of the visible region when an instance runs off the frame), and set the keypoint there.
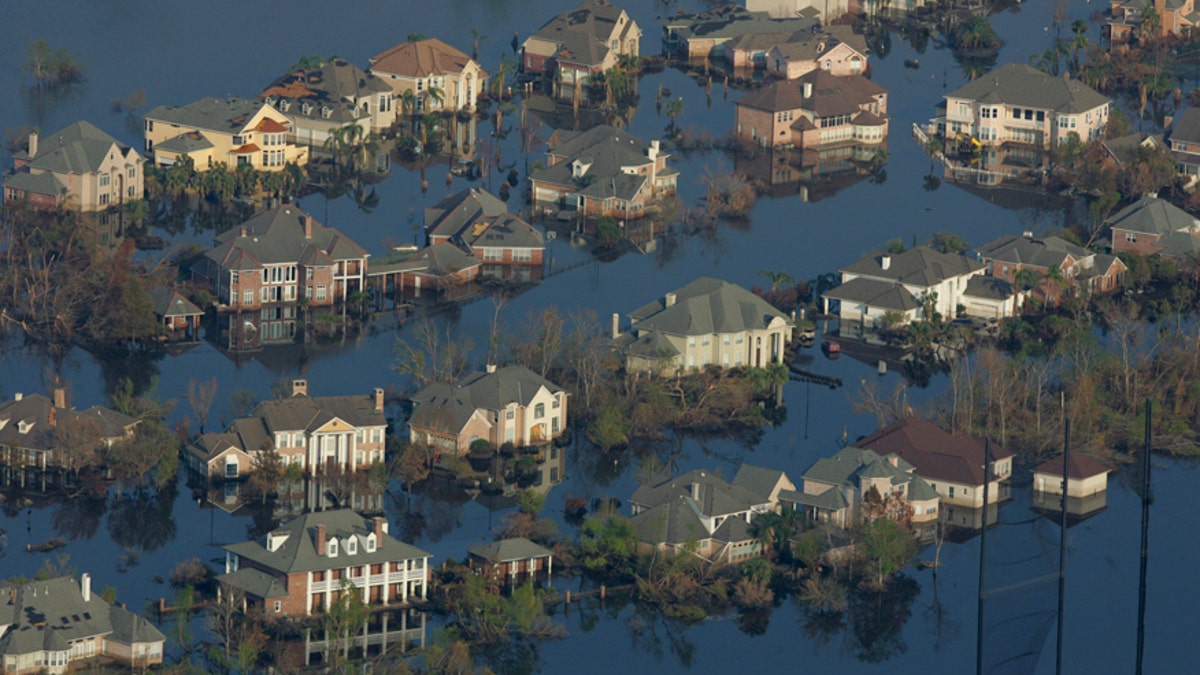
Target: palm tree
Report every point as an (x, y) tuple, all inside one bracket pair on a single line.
[(408, 104), (1151, 24), (476, 38), (1154, 86), (777, 278), (1079, 29), (977, 34), (503, 70), (673, 108), (437, 95)]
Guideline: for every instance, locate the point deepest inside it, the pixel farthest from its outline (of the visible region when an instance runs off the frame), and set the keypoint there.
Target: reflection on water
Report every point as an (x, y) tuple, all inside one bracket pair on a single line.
[(386, 633), (813, 174)]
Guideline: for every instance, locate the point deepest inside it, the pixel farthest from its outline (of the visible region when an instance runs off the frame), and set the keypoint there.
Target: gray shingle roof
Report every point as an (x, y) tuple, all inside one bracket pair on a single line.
[(170, 302), (583, 32), (192, 141), (606, 150), (298, 552), (831, 94), (1178, 245), (226, 115), (918, 266), (758, 480), (256, 583), (875, 293), (1187, 126), (707, 306), (675, 521), (129, 628), (992, 288), (338, 85), (35, 409), (1032, 252), (1152, 215), (1022, 85), (473, 217), (302, 412), (80, 148), (711, 495), (440, 404), (829, 500), (276, 236), (507, 550), (1125, 148), (36, 183), (731, 21), (850, 464)]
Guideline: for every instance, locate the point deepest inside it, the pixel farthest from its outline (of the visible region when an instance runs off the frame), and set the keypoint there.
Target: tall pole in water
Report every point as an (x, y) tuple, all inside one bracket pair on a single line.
[(1062, 546), (1141, 627), (987, 458)]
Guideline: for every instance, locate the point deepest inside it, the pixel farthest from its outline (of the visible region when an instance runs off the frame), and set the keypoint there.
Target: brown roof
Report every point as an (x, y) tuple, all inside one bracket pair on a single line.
[(270, 126), (831, 94), (1079, 465), (936, 454), (420, 59)]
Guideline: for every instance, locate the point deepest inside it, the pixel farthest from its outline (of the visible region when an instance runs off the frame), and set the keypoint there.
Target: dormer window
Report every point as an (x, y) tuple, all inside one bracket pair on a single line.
[(351, 546), (326, 111), (24, 426), (371, 543), (306, 107), (331, 547), (284, 104)]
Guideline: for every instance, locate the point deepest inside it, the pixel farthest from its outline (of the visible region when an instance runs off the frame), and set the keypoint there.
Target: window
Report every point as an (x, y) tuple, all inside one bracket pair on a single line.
[(278, 606), (556, 403), (248, 296), (331, 548), (725, 339), (371, 543), (509, 414), (351, 546), (950, 491), (522, 255), (554, 425), (133, 172), (104, 179), (231, 467), (1131, 237), (1016, 113), (320, 293), (104, 198), (539, 411), (493, 254), (691, 342)]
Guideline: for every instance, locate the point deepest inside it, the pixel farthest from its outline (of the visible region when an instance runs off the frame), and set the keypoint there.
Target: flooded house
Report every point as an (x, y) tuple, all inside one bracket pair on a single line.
[(817, 109), (1007, 256), (858, 484), (437, 75), (577, 44), (78, 168), (731, 33), (32, 426), (231, 131), (320, 98), (1154, 226)]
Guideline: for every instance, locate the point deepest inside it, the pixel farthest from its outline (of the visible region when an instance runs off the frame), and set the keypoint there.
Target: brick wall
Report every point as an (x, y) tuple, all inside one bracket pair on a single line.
[(1146, 244)]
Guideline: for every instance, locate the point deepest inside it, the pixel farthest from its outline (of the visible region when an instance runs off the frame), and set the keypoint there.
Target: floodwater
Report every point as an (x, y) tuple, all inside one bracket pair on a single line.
[(180, 52)]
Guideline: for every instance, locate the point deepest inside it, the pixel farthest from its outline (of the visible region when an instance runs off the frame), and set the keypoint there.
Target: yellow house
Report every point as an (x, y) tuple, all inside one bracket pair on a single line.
[(80, 167), (231, 131), (431, 65)]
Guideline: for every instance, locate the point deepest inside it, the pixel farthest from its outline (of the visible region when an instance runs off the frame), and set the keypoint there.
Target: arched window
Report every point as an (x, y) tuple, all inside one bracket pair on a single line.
[(539, 411), (331, 547)]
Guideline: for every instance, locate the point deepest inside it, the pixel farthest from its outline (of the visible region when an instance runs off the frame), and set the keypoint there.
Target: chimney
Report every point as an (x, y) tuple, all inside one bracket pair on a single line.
[(85, 585), (60, 397), (491, 368), (321, 540), (652, 152), (307, 226), (1028, 234), (669, 300), (808, 90), (18, 396), (33, 144), (378, 400), (242, 231), (616, 327), (885, 261), (299, 387), (1168, 121), (377, 527)]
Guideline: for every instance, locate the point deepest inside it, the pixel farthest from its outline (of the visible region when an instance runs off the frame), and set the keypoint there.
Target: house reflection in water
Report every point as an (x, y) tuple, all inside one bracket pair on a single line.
[(813, 174), (253, 330), (386, 632)]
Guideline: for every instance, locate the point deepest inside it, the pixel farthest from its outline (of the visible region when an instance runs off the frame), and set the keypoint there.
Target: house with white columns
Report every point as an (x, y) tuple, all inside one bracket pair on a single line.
[(304, 565)]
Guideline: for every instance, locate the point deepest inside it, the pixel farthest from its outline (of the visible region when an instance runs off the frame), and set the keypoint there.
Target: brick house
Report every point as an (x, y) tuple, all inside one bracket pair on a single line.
[(1184, 142), (1153, 226), (579, 43), (476, 221), (80, 167), (30, 427), (1007, 256), (314, 433), (1175, 17), (816, 109), (300, 567), (282, 255), (511, 558), (502, 405), (59, 625), (602, 172)]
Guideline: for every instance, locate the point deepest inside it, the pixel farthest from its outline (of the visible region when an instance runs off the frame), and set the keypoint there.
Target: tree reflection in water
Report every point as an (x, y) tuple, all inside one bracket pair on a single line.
[(79, 517), (141, 519), (877, 619)]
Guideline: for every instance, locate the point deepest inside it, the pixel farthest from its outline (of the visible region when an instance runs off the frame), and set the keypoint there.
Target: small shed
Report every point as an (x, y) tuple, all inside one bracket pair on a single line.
[(510, 557), (174, 311), (1085, 476)]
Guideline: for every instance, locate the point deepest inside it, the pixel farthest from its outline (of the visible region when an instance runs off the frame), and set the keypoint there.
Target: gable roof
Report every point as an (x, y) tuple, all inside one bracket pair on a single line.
[(35, 410), (730, 21), (831, 94), (710, 495), (759, 480), (169, 302), (675, 521), (850, 464), (473, 217), (582, 34), (1124, 149), (276, 236), (1187, 126), (1032, 251), (79, 148), (298, 552), (707, 306), (606, 150), (934, 453), (442, 403), (420, 59), (338, 85), (1152, 215), (1079, 466), (508, 550), (919, 266), (988, 287), (808, 46), (875, 293), (304, 413), (225, 115), (1022, 85), (44, 183), (185, 143)]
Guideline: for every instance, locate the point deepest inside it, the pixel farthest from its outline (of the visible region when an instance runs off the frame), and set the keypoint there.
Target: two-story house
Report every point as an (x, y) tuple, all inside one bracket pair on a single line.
[(336, 94), (817, 109), (579, 43), (59, 626), (603, 171), (512, 404), (37, 432), (231, 131), (953, 465), (837, 50), (478, 222), (80, 167), (903, 283), (426, 66), (1019, 104), (857, 484), (707, 322), (1154, 226), (282, 255), (701, 509), (1184, 143), (314, 433), (303, 566), (1006, 256), (732, 33), (1126, 18)]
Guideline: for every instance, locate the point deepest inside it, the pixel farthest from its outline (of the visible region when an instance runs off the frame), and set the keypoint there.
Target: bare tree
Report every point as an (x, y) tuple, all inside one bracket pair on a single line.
[(433, 355), (200, 396)]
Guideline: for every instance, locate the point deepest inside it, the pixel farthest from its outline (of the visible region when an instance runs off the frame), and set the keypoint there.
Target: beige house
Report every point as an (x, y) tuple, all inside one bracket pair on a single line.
[(32, 428), (858, 484), (579, 43), (80, 167), (315, 434), (1016, 103), (229, 131), (707, 322), (818, 109), (1085, 476), (438, 75), (335, 95), (837, 50), (503, 405)]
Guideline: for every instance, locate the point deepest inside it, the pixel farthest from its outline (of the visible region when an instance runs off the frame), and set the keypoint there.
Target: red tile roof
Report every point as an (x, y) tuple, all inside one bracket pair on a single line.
[(420, 59), (1079, 466), (936, 454), (247, 149), (270, 126)]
